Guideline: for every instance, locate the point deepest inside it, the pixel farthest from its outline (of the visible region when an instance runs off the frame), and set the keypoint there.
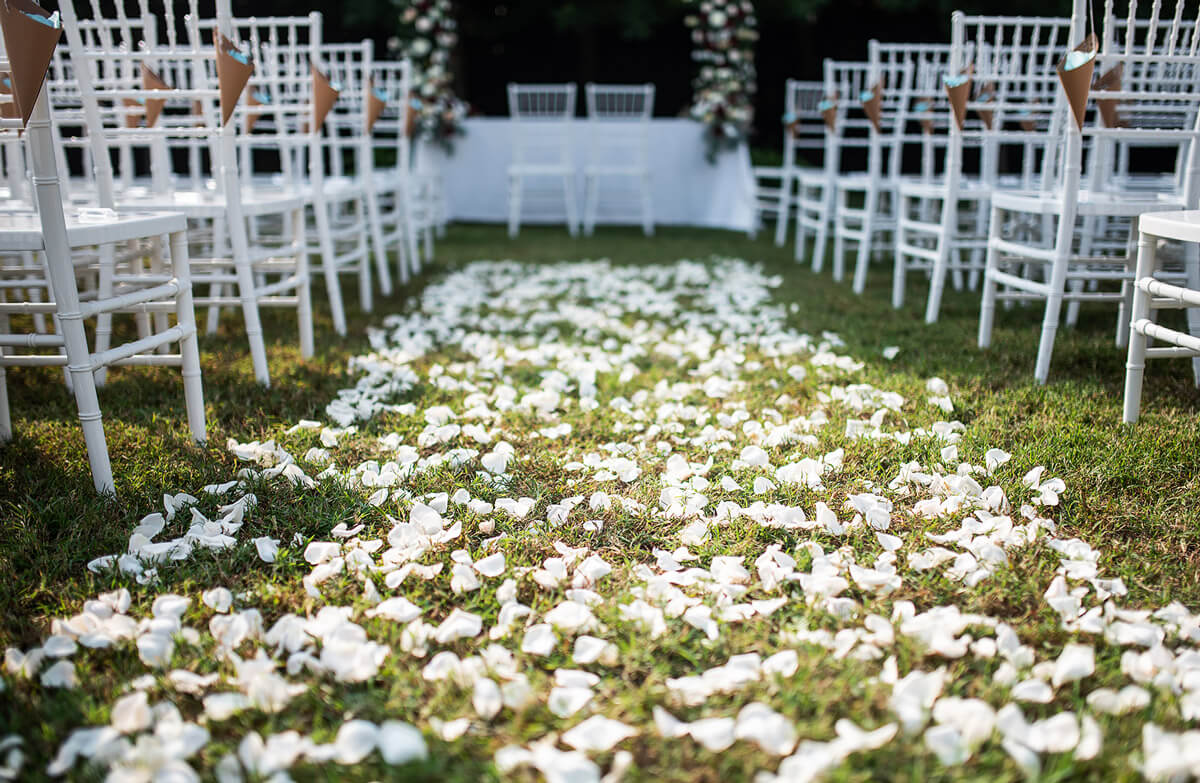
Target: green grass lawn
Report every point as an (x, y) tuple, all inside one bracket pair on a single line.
[(1133, 493)]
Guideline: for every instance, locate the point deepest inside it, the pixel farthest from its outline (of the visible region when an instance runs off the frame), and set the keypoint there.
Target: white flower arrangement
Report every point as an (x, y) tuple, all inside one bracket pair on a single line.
[(436, 113), (723, 33)]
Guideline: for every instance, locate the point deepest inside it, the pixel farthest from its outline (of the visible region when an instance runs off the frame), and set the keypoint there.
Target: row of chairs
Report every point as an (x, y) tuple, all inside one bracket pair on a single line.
[(543, 153), (196, 162), (1014, 160)]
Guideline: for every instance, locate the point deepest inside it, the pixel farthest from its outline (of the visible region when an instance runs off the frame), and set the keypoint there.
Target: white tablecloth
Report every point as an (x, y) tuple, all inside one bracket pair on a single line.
[(687, 189)]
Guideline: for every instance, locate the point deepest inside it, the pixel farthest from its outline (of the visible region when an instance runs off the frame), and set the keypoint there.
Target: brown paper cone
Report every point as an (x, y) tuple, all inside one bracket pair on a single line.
[(410, 120), (154, 106), (232, 75), (324, 96), (987, 94), (133, 119), (252, 117), (375, 106), (873, 107), (30, 45), (958, 98), (1077, 83), (1110, 80)]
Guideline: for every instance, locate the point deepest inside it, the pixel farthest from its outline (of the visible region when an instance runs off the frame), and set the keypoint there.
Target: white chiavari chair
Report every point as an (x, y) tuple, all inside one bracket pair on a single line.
[(391, 143), (543, 150), (619, 149), (231, 250), (865, 203), (1151, 295), (803, 132), (1086, 242), (816, 188), (302, 94), (1004, 68), (46, 228)]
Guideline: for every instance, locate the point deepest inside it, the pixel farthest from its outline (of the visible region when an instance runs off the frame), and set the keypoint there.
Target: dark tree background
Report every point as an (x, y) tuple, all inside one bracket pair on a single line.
[(636, 41)]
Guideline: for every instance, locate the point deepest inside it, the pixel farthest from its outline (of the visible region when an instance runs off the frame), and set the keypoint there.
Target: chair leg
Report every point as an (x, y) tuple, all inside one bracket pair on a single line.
[(899, 263), (572, 209), (514, 206), (839, 238), (86, 401), (6, 432), (161, 322), (863, 260), (5, 417), (366, 290), (249, 299), (375, 221), (1192, 261), (104, 319), (333, 286), (193, 390), (1054, 300), (590, 207), (1135, 364), (801, 232), (303, 284), (784, 213), (987, 304), (410, 228), (647, 207)]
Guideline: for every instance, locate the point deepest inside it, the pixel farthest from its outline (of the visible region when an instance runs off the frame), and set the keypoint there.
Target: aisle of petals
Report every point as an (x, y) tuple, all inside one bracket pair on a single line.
[(616, 515)]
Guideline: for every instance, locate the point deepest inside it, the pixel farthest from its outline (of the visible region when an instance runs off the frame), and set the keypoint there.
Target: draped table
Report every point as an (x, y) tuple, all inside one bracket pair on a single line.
[(687, 189)]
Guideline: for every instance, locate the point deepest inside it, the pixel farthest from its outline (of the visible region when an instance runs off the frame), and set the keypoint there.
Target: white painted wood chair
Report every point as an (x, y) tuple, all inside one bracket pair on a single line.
[(226, 210), (303, 95), (803, 133), (45, 228), (1004, 69), (816, 188), (865, 203), (1152, 295), (543, 118), (1085, 243), (619, 150), (390, 139)]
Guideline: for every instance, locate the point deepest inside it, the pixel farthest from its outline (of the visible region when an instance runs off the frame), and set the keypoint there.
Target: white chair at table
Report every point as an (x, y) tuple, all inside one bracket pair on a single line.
[(1152, 294), (49, 231), (542, 121), (943, 221), (619, 148), (1159, 108), (271, 271), (803, 130)]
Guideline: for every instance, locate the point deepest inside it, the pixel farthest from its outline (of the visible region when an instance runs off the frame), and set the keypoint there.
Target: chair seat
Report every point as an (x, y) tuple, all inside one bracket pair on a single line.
[(255, 201), (540, 169), (614, 169), (968, 189), (1183, 226), (1111, 204), (22, 231), (862, 182)]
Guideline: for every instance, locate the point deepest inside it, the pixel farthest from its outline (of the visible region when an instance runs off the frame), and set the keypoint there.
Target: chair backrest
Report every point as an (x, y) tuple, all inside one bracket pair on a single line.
[(392, 137), (844, 82), (542, 116), (107, 55), (619, 122), (804, 126), (1011, 62), (1154, 58)]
